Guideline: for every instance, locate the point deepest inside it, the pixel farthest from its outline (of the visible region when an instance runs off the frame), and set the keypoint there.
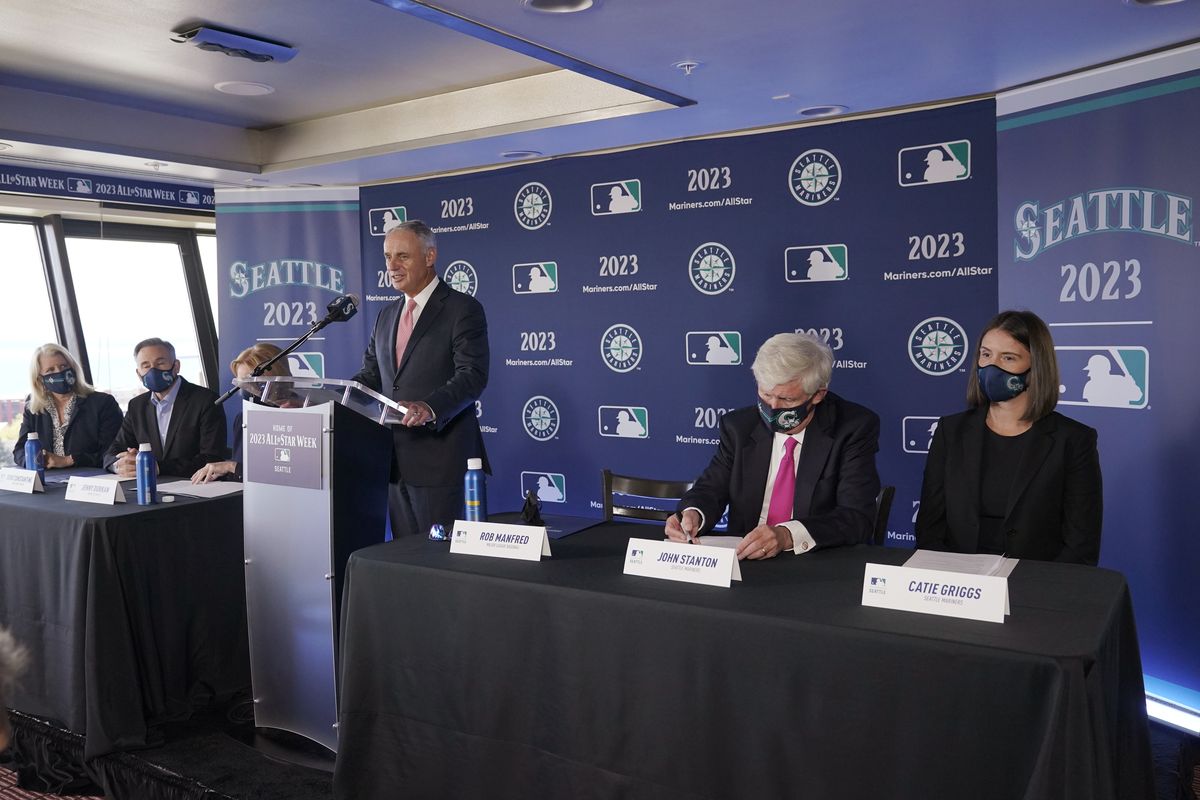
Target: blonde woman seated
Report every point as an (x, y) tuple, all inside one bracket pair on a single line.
[(75, 423), (242, 366)]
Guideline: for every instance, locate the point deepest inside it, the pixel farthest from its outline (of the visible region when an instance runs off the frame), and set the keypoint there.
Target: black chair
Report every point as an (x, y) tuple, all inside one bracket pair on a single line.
[(632, 488), (883, 504)]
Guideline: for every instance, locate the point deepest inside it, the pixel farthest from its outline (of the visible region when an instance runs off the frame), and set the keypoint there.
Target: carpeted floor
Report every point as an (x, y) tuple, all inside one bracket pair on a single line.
[(217, 755)]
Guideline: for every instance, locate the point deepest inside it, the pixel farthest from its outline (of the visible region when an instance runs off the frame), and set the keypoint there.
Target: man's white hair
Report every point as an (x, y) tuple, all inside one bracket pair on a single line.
[(786, 357)]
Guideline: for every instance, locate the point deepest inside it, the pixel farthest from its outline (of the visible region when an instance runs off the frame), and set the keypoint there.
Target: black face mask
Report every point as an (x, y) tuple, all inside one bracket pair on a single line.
[(782, 420), (60, 382)]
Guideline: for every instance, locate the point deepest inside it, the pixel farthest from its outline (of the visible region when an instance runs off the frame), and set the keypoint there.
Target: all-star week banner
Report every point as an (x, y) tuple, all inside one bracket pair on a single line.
[(1100, 241)]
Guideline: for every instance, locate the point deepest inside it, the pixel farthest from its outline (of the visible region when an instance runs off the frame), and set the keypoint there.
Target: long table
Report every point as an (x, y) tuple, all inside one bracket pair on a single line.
[(472, 677), (131, 614)]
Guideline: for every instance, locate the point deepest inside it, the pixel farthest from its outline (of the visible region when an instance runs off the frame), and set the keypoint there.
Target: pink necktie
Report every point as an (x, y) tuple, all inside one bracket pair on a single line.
[(404, 330), (784, 491)]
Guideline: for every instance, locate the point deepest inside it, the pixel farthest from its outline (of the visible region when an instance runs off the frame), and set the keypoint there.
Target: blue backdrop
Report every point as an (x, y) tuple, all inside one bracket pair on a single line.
[(1099, 240), (627, 293)]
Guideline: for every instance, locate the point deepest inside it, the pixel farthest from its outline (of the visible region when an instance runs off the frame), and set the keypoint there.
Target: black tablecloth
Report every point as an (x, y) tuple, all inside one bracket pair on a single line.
[(130, 613), (473, 677)]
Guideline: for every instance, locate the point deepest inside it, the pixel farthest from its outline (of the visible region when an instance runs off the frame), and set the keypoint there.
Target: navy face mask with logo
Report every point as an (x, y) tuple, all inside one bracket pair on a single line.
[(158, 380), (60, 382), (999, 385), (782, 420)]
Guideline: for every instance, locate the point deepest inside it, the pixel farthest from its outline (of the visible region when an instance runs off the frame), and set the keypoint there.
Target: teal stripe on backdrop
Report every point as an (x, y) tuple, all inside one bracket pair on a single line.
[(1144, 93)]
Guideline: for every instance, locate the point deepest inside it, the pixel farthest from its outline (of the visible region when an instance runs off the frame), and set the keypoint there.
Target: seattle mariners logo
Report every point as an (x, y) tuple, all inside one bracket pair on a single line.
[(937, 346), (815, 177), (621, 348), (540, 416), (460, 276), (712, 268), (532, 206)]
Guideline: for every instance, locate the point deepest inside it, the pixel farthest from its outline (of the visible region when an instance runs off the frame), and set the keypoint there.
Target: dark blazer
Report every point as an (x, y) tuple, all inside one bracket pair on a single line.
[(93, 426), (1055, 506), (445, 365), (836, 479), (195, 437)]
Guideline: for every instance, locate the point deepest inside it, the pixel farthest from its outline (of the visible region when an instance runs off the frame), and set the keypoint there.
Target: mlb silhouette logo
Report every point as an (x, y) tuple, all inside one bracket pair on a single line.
[(625, 422), (189, 197), (918, 433), (547, 487), (822, 262), (384, 219), (878, 581), (714, 348), (1112, 376), (79, 185), (539, 278), (283, 454), (618, 197), (306, 365), (939, 162)]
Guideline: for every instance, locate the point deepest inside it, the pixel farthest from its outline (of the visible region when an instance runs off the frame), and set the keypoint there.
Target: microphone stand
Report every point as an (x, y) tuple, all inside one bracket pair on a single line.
[(266, 365)]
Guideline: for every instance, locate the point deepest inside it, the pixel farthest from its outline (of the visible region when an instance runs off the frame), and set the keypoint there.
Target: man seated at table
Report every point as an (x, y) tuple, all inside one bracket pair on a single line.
[(798, 470), (180, 420)]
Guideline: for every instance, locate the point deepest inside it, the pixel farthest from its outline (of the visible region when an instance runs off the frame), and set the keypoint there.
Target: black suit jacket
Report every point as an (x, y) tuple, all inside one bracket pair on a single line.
[(836, 479), (195, 436), (1055, 506), (93, 425), (445, 365)]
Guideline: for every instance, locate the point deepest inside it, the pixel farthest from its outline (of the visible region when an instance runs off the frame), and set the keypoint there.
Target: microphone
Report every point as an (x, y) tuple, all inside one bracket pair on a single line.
[(342, 308)]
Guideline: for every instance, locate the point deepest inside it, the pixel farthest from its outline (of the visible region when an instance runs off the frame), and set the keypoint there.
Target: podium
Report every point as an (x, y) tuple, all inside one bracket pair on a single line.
[(316, 459)]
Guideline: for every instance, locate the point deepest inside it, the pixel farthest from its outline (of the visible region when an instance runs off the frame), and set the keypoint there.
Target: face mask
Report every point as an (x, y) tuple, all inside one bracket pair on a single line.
[(999, 385), (158, 380), (60, 382), (782, 420)]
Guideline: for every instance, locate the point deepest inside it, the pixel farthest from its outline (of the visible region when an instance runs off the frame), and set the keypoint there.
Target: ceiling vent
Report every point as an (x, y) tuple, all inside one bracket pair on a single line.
[(238, 45)]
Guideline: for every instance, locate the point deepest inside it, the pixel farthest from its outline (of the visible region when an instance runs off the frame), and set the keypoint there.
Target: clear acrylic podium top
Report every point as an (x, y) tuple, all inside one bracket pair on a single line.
[(284, 391)]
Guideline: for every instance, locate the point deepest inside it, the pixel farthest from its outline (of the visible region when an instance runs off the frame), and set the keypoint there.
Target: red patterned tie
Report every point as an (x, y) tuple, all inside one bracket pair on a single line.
[(784, 491), (405, 329)]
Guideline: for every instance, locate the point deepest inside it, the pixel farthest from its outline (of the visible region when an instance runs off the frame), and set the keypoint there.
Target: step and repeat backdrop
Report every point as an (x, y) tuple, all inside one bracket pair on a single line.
[(1097, 235), (627, 293)]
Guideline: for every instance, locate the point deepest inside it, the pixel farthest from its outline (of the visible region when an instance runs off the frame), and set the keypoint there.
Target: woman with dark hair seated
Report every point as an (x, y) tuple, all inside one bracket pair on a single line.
[(1011, 475), (75, 423)]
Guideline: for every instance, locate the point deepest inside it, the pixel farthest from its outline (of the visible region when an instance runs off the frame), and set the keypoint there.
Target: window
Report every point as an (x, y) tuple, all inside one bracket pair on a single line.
[(28, 324), (207, 245), (129, 290)]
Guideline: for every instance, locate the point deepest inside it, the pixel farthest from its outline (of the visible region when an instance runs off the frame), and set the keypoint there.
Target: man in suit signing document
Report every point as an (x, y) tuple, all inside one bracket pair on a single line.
[(428, 352), (797, 470)]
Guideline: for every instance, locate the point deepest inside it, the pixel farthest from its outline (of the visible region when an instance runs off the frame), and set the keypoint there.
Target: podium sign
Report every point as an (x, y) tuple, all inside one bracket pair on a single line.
[(284, 449)]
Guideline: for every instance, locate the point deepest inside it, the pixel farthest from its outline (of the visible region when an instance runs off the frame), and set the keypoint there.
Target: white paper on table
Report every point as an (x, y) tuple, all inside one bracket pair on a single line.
[(720, 541), (189, 489), (966, 563)]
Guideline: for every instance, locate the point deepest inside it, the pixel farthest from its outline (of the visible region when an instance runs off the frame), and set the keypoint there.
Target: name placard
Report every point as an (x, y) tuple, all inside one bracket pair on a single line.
[(679, 561), (25, 481), (104, 491), (524, 542), (931, 591)]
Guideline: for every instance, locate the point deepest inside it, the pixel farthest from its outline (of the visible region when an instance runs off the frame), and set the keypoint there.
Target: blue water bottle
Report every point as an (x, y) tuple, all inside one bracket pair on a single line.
[(35, 457), (147, 476), (475, 486)]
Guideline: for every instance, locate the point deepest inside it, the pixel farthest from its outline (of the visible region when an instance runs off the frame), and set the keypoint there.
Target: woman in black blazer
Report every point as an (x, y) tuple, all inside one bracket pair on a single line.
[(1011, 475), (75, 423)]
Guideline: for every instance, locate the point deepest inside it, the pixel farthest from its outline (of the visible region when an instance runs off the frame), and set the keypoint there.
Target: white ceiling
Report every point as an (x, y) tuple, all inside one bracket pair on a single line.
[(375, 94)]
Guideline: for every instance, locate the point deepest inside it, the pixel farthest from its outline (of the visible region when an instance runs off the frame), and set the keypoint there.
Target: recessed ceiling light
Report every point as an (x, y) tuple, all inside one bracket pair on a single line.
[(521, 154), (243, 88), (257, 180), (821, 111), (559, 6), (157, 165), (784, 96), (1151, 2)]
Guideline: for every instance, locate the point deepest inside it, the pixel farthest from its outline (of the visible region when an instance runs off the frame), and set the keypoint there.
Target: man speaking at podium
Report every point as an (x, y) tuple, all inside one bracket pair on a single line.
[(429, 353), (797, 471)]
